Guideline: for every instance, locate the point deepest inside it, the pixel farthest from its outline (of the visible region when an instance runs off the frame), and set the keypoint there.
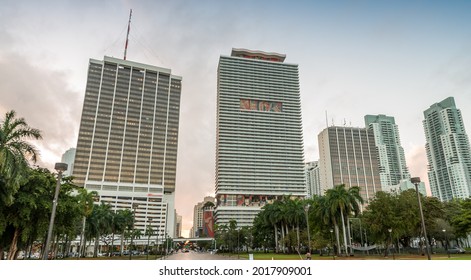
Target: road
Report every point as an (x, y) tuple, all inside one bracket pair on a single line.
[(198, 256)]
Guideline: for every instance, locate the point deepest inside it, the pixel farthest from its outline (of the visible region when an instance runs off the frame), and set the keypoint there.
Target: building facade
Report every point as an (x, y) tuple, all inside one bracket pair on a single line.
[(313, 183), (392, 160), (448, 151), (259, 145), (348, 155), (127, 143)]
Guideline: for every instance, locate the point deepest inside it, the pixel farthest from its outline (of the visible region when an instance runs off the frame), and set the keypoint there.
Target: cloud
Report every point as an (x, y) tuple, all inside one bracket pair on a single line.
[(417, 162), (43, 99)]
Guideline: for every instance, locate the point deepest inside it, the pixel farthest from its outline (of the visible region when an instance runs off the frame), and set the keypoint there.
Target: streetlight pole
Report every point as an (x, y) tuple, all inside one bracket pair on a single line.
[(306, 210), (134, 207), (416, 181), (390, 237), (60, 167), (332, 243)]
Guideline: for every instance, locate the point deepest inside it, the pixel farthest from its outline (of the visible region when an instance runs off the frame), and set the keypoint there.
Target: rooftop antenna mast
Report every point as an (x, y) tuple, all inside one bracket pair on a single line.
[(127, 35)]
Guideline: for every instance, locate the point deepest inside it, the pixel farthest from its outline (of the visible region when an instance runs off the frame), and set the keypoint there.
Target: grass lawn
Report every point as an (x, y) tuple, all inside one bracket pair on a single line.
[(273, 256)]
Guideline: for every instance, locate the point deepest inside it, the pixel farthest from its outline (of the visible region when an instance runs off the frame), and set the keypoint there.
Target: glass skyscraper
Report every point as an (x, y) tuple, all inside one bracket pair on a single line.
[(448, 151), (127, 143), (259, 148)]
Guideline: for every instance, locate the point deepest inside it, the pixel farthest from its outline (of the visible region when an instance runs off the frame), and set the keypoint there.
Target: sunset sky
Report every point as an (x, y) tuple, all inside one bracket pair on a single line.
[(355, 58)]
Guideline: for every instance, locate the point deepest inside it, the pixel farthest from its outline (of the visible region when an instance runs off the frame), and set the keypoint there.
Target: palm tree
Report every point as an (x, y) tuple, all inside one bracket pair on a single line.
[(15, 154), (124, 223), (85, 199), (340, 202)]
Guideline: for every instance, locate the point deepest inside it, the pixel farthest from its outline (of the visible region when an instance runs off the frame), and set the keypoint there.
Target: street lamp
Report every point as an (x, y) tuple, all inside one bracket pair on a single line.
[(306, 210), (60, 167), (390, 237), (446, 245), (332, 243), (134, 207), (416, 181)]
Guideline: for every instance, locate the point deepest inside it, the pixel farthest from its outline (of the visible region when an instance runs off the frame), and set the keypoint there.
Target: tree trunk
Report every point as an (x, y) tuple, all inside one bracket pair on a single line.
[(337, 237), (112, 245), (14, 245), (276, 238), (344, 232), (349, 236), (122, 244), (82, 237), (95, 249), (297, 234)]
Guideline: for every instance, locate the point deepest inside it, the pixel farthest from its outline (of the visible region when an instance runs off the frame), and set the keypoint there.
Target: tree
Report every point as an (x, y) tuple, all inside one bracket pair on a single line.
[(28, 215), (99, 223), (342, 202), (15, 152), (85, 200)]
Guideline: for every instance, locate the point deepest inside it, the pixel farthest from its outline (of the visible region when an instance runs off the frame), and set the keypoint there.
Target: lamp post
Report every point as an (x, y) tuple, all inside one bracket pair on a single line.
[(416, 181), (60, 167), (306, 210), (446, 244), (149, 232), (332, 243), (134, 207), (390, 237)]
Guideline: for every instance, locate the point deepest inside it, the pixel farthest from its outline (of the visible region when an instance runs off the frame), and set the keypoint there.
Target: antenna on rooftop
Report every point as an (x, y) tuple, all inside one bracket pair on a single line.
[(127, 35), (326, 120)]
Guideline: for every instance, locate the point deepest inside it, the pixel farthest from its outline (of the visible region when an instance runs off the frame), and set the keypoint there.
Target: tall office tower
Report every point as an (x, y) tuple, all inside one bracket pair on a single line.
[(259, 145), (127, 143), (69, 158), (348, 155), (313, 184), (392, 161), (198, 215), (448, 151)]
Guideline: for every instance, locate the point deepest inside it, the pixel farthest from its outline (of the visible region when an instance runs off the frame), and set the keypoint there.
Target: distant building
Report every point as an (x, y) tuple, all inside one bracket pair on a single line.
[(198, 229), (312, 179), (406, 185), (448, 151), (392, 161), (69, 158), (348, 155), (178, 225), (128, 139), (259, 139)]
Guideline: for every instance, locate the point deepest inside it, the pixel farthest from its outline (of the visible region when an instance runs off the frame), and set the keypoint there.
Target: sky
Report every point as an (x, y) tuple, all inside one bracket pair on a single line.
[(355, 58)]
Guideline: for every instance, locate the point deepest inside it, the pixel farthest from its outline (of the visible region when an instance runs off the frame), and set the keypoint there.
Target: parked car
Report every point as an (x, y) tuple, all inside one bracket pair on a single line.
[(456, 250)]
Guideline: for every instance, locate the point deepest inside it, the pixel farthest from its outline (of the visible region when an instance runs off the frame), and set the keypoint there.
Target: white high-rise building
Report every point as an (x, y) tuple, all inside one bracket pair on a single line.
[(69, 158), (392, 161), (127, 143), (448, 151), (313, 183), (259, 156)]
